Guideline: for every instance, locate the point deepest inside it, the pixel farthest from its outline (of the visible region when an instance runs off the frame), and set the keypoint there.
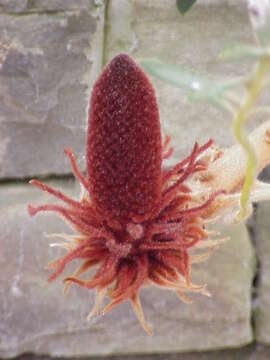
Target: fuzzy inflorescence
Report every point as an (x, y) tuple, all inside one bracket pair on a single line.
[(135, 223)]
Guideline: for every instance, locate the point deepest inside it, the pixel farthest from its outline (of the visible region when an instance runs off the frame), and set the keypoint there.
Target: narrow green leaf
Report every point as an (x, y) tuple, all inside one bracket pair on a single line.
[(197, 87), (172, 74), (240, 52), (184, 5)]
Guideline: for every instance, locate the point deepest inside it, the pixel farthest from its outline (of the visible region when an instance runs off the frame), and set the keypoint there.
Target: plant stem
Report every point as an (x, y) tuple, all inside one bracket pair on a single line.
[(254, 88)]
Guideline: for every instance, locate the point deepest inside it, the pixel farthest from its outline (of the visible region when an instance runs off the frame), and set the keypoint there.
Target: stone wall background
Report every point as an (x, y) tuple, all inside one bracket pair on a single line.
[(55, 50)]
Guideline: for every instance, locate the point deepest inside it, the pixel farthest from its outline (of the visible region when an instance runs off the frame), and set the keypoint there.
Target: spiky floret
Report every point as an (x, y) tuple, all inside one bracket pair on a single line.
[(131, 243)]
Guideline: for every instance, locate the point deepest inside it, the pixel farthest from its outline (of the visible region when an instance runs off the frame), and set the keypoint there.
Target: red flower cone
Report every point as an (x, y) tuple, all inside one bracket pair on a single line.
[(135, 222)]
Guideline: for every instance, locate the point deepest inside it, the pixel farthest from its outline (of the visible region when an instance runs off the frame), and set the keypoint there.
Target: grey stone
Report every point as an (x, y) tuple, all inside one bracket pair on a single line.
[(25, 6), (251, 352), (262, 303), (61, 5), (45, 81), (265, 174), (155, 29), (15, 6), (36, 318)]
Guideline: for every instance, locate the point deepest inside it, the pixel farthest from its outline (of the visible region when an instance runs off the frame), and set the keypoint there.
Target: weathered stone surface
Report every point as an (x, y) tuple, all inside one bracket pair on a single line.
[(13, 5), (251, 352), (35, 317), (155, 29), (262, 303), (45, 82), (24, 6)]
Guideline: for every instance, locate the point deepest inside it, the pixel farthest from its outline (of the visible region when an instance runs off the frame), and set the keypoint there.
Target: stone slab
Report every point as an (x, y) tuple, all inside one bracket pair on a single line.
[(251, 352), (36, 318), (45, 82), (155, 29), (25, 6), (262, 303)]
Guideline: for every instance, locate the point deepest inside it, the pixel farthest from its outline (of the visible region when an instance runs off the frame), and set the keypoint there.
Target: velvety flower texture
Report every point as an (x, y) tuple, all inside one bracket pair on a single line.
[(135, 223)]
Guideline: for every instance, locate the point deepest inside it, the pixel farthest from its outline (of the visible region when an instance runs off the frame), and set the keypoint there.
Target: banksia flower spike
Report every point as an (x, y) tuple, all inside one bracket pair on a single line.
[(135, 222)]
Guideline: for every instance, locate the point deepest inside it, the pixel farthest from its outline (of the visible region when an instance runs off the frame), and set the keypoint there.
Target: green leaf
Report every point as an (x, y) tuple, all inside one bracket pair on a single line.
[(240, 52), (184, 5), (198, 87), (171, 74)]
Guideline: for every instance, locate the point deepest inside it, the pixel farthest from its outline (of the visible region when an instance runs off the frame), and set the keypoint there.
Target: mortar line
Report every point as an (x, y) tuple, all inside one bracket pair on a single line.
[(256, 275)]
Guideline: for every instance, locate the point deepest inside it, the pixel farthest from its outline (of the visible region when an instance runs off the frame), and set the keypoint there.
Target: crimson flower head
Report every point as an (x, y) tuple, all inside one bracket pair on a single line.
[(135, 222)]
